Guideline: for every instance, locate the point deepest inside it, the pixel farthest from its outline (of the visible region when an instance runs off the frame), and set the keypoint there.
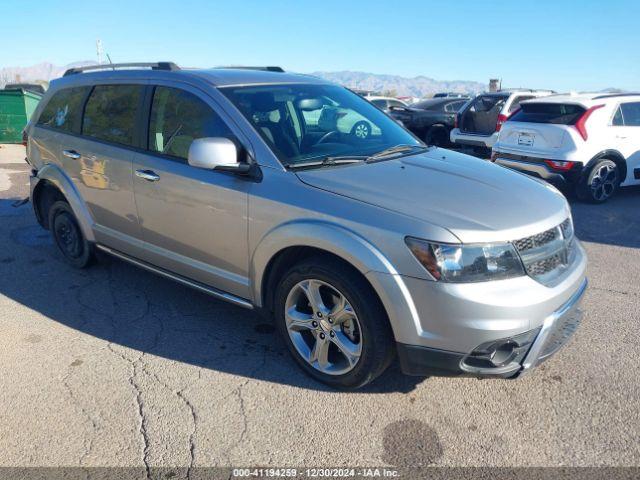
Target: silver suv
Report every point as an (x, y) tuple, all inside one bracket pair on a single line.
[(362, 248)]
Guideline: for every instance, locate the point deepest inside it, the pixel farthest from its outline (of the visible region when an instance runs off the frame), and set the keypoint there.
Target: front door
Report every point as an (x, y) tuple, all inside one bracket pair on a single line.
[(193, 221)]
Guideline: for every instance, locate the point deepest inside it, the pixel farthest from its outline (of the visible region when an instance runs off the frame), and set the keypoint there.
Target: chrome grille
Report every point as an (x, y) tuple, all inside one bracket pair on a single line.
[(546, 255)]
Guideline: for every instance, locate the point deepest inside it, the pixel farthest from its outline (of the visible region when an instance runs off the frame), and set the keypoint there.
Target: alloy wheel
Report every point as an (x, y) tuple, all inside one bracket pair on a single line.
[(323, 327), (603, 182)]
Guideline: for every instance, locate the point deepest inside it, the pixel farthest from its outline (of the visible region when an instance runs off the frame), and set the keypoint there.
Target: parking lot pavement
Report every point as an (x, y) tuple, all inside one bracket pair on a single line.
[(115, 366)]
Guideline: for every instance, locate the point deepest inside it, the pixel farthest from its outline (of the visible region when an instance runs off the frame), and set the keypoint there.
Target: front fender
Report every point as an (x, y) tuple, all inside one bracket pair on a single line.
[(351, 247), (327, 236), (56, 176)]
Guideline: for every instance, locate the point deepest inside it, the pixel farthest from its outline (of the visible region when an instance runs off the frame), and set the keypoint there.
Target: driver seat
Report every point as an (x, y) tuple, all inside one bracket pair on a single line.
[(278, 133)]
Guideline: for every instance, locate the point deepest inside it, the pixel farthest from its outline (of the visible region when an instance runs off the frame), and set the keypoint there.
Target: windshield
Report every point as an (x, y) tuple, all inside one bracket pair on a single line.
[(302, 123)]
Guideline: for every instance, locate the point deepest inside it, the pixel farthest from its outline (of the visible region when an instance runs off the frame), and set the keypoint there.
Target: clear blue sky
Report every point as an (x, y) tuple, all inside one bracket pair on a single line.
[(565, 45)]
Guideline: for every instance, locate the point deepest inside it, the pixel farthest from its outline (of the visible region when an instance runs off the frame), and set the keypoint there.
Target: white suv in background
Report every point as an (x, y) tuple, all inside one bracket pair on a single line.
[(479, 122), (590, 142)]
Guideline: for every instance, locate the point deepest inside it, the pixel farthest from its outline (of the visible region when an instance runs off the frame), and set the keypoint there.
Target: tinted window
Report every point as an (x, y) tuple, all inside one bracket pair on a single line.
[(454, 107), (380, 103), (516, 102), (63, 110), (488, 103), (178, 118), (111, 113), (631, 114), (618, 121), (557, 113)]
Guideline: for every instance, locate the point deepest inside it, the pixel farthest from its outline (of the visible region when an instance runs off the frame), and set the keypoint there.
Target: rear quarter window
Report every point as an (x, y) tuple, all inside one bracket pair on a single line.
[(555, 113), (63, 110)]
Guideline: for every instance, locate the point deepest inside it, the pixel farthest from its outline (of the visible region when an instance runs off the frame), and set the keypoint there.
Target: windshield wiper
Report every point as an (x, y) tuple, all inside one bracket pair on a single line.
[(330, 161), (395, 150)]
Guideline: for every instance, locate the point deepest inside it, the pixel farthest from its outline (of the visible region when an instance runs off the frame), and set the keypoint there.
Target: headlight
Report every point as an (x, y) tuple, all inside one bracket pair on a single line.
[(467, 263)]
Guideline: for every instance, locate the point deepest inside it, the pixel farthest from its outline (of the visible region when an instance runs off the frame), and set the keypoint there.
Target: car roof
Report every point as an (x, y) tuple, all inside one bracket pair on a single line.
[(586, 99), (218, 77)]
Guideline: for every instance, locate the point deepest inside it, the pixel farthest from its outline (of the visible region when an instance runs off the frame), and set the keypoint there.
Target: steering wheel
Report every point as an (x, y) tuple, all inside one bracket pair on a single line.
[(327, 136)]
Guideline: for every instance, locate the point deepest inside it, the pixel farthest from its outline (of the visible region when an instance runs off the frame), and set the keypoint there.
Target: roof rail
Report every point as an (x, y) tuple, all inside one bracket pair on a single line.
[(170, 66), (612, 95), (264, 69)]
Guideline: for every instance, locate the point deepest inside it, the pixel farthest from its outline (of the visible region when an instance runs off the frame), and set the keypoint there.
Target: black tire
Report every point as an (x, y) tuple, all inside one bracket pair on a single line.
[(600, 182), (377, 341), (361, 130), (438, 136), (68, 236)]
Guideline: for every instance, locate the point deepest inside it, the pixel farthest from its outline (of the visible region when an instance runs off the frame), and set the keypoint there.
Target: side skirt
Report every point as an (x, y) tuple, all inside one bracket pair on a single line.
[(228, 297)]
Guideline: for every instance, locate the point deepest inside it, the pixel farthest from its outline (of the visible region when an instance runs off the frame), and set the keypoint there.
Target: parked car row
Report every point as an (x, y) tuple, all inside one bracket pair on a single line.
[(587, 144)]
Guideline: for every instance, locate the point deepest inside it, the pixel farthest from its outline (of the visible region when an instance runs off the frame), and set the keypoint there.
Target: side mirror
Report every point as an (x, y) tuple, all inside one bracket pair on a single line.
[(216, 153)]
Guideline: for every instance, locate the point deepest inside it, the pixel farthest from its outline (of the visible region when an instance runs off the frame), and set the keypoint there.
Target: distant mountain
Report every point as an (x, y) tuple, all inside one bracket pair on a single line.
[(415, 87), (400, 86), (42, 72)]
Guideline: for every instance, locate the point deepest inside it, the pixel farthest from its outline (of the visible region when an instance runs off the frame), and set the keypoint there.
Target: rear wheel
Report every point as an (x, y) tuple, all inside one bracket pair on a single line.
[(68, 236), (600, 182), (438, 136), (333, 323)]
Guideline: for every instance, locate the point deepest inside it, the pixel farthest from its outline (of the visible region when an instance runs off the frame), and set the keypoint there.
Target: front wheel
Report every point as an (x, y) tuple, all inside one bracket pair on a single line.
[(600, 182), (333, 323)]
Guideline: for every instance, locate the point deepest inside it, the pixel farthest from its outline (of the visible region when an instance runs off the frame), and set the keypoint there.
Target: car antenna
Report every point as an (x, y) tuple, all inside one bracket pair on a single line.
[(110, 62)]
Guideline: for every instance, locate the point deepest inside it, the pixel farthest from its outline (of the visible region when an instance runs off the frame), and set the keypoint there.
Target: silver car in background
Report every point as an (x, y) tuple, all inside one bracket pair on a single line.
[(362, 248)]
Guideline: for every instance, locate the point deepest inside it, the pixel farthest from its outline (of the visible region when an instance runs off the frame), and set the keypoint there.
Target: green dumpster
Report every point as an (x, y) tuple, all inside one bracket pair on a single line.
[(16, 108)]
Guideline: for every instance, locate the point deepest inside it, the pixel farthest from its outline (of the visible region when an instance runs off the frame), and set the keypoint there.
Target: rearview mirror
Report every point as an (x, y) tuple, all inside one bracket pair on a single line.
[(216, 153)]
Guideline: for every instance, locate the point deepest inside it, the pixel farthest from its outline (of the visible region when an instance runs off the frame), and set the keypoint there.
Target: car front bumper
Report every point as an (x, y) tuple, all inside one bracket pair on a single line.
[(556, 330), (439, 326)]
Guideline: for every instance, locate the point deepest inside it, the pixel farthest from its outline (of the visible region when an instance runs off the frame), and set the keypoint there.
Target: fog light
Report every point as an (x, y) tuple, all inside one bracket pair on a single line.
[(499, 355)]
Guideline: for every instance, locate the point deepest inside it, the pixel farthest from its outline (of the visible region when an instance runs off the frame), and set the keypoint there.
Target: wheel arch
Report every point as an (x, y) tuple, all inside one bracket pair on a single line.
[(613, 155), (52, 184), (291, 243)]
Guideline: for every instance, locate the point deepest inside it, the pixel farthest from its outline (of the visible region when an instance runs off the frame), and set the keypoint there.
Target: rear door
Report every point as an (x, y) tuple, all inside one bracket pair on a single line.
[(194, 221), (481, 116), (626, 126), (100, 162), (540, 128)]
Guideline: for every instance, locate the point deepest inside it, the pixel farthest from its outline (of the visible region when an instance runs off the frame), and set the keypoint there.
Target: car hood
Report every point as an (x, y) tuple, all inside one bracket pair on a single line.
[(474, 199)]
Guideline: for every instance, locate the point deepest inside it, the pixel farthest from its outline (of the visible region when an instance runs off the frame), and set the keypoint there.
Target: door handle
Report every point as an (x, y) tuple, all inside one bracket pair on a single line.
[(71, 154), (148, 175)]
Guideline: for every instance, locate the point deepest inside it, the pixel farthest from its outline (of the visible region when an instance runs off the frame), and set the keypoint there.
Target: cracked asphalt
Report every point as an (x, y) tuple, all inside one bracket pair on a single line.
[(114, 366)]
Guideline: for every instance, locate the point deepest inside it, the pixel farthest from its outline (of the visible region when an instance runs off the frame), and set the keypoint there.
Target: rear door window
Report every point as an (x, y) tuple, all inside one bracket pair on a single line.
[(555, 113), (631, 114), (178, 118), (111, 113), (63, 110)]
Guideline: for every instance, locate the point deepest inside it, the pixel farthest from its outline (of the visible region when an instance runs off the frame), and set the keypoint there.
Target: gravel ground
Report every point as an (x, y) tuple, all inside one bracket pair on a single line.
[(113, 366)]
